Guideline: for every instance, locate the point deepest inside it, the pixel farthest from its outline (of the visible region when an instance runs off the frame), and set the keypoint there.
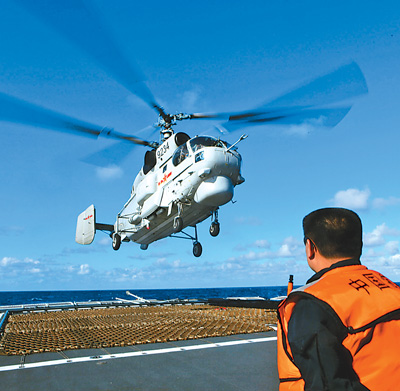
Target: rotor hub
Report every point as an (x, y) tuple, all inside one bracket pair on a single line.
[(167, 121)]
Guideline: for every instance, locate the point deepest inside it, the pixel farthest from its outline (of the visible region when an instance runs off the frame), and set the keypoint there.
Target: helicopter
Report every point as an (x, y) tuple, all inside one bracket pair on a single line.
[(184, 180)]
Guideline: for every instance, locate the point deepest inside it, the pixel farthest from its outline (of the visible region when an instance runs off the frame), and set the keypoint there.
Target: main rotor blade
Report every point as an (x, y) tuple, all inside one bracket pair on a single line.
[(340, 85), (344, 83), (16, 110), (113, 155), (83, 26), (328, 117)]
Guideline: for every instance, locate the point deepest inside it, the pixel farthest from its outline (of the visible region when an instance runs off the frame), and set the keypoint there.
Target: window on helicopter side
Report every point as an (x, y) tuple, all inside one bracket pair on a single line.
[(149, 161), (200, 142), (199, 157), (180, 154)]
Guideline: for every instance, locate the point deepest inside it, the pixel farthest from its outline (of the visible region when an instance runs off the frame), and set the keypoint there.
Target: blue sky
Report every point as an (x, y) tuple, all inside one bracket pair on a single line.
[(199, 57)]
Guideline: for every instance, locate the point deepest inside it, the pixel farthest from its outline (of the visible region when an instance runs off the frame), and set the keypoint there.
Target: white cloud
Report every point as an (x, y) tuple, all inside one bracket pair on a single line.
[(109, 173), (252, 256), (190, 100), (382, 254), (374, 238), (70, 269), (84, 269), (290, 247), (306, 127), (8, 261), (392, 247), (18, 274), (394, 260), (284, 251), (352, 199), (377, 236), (75, 270), (360, 200), (299, 130), (15, 262), (389, 265)]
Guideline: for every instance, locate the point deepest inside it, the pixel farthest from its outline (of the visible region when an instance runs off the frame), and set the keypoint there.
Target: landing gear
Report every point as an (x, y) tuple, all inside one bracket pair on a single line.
[(116, 241), (215, 227), (197, 249), (144, 246), (178, 224)]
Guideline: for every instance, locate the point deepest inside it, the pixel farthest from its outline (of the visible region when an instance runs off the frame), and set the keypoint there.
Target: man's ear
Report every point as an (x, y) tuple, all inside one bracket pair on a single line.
[(310, 249)]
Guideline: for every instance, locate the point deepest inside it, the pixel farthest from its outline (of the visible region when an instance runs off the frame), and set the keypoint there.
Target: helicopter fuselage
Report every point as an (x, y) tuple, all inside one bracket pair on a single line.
[(185, 178)]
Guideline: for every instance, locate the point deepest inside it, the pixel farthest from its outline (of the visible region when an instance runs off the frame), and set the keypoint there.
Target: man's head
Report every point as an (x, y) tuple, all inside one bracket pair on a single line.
[(335, 232)]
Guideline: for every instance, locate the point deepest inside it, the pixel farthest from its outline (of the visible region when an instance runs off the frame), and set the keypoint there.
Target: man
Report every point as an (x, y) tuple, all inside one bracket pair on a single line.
[(341, 331)]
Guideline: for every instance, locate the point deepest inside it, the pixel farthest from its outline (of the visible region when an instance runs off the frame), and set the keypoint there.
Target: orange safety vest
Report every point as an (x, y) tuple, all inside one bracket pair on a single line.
[(368, 304)]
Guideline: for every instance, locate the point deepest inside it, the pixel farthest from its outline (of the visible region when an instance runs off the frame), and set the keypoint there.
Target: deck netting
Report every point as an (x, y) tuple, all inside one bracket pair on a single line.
[(54, 331)]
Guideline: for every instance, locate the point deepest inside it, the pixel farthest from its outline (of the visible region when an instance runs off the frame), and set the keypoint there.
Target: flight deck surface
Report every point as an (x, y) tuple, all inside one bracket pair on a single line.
[(237, 362)]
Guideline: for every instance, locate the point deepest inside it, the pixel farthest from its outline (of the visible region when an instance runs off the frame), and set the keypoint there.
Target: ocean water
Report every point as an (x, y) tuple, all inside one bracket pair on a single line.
[(25, 297)]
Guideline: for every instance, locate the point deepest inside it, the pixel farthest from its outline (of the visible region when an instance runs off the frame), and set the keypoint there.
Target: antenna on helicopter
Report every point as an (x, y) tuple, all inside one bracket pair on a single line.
[(242, 137)]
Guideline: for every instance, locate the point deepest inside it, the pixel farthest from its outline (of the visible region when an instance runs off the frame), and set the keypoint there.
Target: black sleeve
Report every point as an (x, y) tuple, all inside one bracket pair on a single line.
[(315, 335)]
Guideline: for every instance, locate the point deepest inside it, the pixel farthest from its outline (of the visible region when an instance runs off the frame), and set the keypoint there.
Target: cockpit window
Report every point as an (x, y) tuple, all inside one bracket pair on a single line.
[(180, 154), (149, 161), (204, 141)]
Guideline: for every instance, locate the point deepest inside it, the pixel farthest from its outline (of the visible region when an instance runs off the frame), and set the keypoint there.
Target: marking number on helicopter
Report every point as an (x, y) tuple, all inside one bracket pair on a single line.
[(162, 150)]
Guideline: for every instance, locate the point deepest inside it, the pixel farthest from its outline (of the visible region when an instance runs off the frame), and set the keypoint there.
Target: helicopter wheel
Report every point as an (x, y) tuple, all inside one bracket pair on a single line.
[(197, 249), (116, 241), (214, 229), (178, 224)]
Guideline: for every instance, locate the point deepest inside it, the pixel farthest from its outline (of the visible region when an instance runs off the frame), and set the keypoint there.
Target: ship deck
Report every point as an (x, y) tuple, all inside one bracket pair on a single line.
[(111, 346), (236, 362)]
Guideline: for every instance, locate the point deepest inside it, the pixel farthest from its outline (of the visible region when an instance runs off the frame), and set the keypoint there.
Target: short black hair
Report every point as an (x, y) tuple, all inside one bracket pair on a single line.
[(336, 232)]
